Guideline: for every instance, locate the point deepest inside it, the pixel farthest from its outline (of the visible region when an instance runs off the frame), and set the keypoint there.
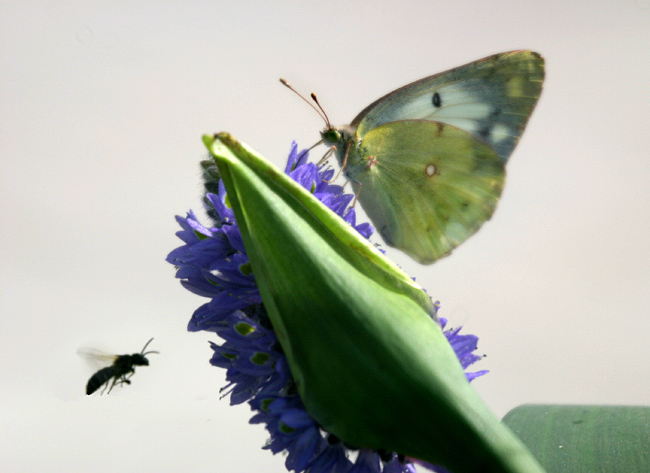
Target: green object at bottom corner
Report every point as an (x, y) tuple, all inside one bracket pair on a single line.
[(589, 439)]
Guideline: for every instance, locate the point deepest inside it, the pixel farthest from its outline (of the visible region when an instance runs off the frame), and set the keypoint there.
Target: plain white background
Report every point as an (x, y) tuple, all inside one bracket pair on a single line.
[(102, 109)]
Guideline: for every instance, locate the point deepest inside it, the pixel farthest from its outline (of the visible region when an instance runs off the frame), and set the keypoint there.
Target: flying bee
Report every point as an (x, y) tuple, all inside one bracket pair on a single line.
[(122, 368)]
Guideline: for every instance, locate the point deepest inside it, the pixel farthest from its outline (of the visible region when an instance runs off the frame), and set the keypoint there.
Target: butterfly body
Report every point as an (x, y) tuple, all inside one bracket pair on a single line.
[(427, 161)]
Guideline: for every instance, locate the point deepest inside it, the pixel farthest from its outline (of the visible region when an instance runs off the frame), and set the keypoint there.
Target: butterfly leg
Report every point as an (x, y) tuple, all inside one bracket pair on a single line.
[(356, 195), (326, 156), (345, 162)]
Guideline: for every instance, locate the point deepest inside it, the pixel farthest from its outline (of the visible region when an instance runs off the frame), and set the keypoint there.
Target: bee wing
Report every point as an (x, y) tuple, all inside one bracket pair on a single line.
[(93, 354)]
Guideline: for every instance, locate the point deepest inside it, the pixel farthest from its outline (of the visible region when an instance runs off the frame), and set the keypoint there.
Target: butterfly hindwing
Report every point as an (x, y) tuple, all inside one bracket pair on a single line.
[(491, 98), (425, 185)]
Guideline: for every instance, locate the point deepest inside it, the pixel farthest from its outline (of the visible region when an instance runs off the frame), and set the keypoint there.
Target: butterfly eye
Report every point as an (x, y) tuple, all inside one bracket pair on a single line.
[(330, 136)]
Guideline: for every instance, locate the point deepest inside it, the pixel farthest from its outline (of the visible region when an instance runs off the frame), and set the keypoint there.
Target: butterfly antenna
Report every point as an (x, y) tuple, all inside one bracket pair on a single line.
[(327, 120), (322, 115)]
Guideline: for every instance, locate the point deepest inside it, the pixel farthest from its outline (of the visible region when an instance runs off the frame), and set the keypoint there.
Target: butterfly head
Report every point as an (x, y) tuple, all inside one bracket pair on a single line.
[(343, 134), (330, 136)]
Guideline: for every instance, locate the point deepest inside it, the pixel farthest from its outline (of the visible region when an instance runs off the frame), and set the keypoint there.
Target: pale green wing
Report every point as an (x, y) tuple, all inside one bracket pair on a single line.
[(491, 98), (426, 186)]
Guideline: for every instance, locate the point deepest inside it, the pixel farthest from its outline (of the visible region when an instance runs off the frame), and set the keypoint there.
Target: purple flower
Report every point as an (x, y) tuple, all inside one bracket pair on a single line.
[(213, 263)]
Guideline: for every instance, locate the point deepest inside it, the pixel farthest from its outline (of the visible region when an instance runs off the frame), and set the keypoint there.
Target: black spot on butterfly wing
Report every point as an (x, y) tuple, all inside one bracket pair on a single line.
[(484, 132), (436, 100)]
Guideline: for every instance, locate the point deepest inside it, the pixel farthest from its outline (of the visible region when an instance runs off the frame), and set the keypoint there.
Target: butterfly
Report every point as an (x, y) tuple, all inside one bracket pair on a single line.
[(427, 161)]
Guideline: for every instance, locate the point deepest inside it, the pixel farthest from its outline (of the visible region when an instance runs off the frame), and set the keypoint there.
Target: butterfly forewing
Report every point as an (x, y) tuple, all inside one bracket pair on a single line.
[(429, 186), (491, 98)]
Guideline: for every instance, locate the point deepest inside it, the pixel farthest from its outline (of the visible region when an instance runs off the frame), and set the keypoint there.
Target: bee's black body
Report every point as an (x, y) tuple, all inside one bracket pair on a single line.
[(121, 369)]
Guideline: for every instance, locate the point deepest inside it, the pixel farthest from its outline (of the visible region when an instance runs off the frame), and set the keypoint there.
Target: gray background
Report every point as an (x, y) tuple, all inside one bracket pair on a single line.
[(102, 109)]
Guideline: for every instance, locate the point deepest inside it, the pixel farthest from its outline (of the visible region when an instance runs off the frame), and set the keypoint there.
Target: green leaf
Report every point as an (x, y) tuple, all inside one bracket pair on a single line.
[(589, 439), (370, 362)]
